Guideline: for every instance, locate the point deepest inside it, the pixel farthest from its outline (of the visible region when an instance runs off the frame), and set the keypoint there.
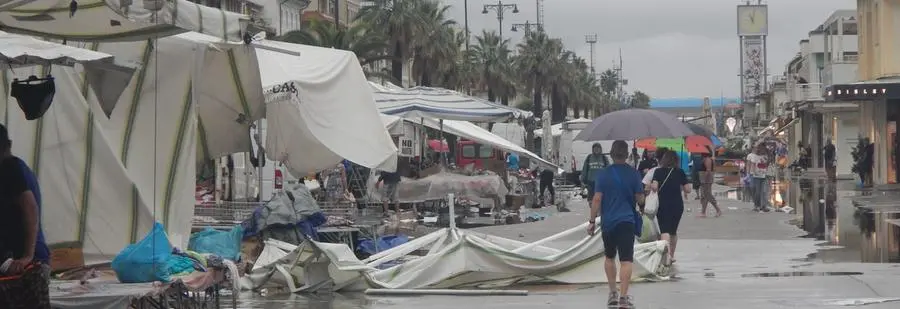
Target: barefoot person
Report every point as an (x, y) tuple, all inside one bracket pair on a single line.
[(617, 190), (706, 174)]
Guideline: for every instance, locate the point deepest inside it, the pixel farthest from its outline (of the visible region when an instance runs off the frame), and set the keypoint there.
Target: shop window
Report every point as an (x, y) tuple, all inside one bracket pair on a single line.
[(468, 151)]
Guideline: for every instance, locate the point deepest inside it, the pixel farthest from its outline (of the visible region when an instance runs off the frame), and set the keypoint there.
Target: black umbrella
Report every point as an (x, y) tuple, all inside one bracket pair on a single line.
[(632, 124)]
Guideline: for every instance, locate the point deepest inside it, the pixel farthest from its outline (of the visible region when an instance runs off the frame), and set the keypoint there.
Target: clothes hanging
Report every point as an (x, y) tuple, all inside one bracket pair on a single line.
[(34, 95)]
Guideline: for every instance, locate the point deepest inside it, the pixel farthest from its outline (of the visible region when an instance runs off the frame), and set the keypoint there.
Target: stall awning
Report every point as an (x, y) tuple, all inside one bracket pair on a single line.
[(439, 103), (20, 49), (315, 110), (473, 132)]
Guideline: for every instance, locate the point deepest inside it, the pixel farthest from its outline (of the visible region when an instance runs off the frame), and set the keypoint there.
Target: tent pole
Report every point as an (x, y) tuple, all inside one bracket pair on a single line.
[(422, 143), (443, 154)]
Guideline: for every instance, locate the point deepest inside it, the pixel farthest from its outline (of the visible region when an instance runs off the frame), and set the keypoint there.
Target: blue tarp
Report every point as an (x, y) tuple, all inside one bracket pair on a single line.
[(369, 247)]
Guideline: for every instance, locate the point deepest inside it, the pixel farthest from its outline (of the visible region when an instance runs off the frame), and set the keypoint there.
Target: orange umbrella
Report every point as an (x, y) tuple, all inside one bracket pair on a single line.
[(698, 144)]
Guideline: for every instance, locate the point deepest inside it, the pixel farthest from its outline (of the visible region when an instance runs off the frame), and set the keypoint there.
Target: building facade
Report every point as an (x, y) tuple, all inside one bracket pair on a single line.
[(878, 87), (827, 57)]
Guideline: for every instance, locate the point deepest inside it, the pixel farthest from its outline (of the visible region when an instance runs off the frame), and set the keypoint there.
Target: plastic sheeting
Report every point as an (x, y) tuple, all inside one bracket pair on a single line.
[(21, 49), (455, 259), (437, 187), (320, 110)]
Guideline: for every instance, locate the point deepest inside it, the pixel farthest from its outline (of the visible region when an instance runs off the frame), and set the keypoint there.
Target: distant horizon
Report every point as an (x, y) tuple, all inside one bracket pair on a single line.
[(689, 102)]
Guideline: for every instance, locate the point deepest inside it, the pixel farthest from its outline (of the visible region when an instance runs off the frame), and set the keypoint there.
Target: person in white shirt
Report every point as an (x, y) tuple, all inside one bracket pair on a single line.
[(757, 167), (648, 177)]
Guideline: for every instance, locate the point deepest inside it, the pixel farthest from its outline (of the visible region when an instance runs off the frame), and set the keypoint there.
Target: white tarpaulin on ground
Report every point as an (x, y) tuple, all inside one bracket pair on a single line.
[(320, 110), (440, 103), (117, 21), (106, 180), (456, 259)]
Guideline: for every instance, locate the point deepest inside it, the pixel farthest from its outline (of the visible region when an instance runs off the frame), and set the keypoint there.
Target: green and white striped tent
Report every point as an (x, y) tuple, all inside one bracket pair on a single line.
[(106, 179)]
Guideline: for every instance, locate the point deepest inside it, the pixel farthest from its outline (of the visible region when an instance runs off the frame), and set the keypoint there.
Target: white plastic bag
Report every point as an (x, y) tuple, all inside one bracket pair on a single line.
[(651, 204)]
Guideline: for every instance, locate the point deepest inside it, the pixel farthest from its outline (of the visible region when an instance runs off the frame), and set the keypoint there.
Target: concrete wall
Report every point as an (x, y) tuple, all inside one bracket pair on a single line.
[(879, 40)]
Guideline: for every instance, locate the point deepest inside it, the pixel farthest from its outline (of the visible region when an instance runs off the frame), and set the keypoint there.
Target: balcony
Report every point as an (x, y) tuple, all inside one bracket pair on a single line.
[(806, 92)]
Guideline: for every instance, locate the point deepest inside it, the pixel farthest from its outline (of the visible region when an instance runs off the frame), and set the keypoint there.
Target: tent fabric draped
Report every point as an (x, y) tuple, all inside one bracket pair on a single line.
[(320, 110), (106, 179), (117, 21), (427, 102), (19, 49)]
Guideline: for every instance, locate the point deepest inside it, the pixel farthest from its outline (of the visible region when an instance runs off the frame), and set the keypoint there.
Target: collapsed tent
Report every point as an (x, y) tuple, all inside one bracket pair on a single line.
[(473, 132), (427, 102), (109, 179), (320, 111), (117, 21), (456, 259)]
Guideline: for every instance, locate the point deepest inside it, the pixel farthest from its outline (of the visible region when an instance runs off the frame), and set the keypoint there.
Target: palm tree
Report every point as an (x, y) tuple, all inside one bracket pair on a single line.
[(640, 99), (535, 64), (491, 55), (398, 21), (369, 46), (434, 43)]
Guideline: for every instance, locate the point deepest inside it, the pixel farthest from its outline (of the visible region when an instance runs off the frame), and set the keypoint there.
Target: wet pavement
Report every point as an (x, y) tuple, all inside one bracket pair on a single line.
[(816, 256)]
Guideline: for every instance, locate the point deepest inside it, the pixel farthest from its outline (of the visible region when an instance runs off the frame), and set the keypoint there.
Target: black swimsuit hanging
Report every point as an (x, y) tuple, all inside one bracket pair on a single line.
[(34, 95)]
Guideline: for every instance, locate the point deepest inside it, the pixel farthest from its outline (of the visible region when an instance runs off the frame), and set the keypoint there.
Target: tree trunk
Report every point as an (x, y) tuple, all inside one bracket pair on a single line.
[(586, 112), (529, 134), (397, 63), (576, 109), (556, 106), (538, 98), (504, 99), (491, 95)]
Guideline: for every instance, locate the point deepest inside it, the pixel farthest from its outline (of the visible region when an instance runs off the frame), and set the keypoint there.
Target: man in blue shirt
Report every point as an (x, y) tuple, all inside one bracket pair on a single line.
[(617, 189), (21, 238)]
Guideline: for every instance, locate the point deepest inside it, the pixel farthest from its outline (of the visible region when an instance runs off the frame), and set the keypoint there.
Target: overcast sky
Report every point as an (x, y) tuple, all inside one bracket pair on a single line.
[(684, 48)]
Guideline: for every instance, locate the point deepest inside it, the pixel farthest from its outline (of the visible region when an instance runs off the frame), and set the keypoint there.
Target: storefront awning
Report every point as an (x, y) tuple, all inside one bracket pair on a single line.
[(864, 91)]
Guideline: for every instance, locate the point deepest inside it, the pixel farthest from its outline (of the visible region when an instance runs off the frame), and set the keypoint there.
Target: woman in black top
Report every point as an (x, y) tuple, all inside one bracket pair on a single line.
[(670, 183)]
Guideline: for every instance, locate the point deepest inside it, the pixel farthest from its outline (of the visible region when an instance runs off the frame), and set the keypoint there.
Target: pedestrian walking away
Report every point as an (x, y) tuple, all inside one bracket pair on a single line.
[(670, 183), (828, 152), (618, 189)]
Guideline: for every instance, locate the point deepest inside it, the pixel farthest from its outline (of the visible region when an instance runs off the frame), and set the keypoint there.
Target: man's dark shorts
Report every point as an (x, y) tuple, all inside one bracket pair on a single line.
[(620, 240)]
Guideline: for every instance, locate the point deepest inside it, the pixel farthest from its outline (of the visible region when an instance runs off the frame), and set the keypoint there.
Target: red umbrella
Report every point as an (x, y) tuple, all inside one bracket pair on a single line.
[(438, 146), (698, 144)]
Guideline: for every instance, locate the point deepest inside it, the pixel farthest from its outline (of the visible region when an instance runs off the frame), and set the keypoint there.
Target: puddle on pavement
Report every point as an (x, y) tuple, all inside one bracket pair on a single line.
[(848, 234), (801, 274)]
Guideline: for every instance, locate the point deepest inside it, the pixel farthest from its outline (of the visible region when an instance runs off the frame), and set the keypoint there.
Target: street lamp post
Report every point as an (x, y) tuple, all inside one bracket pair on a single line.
[(527, 26), (500, 8)]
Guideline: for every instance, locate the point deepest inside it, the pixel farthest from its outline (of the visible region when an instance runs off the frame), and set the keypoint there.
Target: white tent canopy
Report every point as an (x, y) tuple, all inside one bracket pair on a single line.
[(106, 180), (427, 102), (320, 111), (20, 49), (473, 132), (114, 20)]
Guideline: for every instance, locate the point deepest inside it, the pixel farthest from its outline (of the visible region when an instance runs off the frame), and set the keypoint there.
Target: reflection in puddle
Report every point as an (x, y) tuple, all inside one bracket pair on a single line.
[(802, 274), (849, 234)]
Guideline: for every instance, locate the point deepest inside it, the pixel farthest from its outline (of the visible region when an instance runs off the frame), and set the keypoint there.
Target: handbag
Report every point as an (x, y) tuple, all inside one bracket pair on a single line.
[(651, 203), (29, 290), (638, 218)]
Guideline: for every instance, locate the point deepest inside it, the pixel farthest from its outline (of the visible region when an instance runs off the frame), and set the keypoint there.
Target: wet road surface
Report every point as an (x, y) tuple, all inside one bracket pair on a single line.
[(741, 260)]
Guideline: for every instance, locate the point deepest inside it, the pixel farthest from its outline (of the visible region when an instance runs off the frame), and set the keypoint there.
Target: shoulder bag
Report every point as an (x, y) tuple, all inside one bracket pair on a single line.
[(638, 219), (651, 203)]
